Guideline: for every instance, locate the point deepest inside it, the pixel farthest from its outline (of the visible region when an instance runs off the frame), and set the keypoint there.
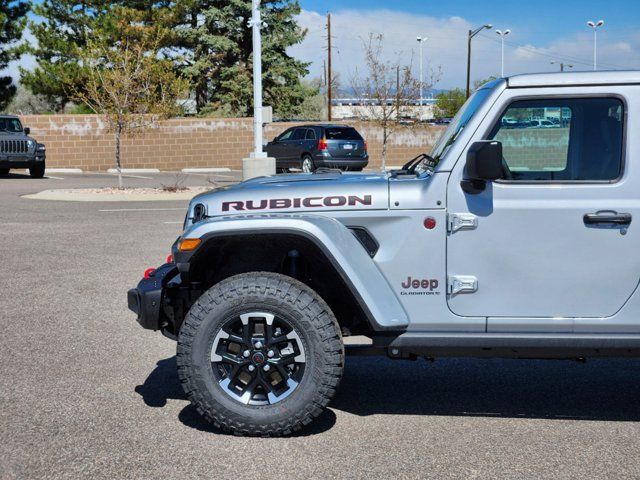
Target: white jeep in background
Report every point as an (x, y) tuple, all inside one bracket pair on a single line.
[(506, 241)]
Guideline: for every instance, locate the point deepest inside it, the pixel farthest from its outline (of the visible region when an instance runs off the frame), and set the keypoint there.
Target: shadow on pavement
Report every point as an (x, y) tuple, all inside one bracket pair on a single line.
[(606, 390), (163, 384)]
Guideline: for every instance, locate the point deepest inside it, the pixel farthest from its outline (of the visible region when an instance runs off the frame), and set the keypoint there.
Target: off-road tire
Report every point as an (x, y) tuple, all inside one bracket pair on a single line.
[(279, 295), (37, 171), (4, 171)]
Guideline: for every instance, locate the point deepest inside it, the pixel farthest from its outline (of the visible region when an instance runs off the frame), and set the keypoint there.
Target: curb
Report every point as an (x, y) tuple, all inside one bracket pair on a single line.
[(206, 170), (134, 170), (63, 170)]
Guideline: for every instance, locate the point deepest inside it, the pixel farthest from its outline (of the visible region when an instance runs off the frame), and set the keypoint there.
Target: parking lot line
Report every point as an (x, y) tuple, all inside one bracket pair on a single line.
[(173, 223), (140, 209)]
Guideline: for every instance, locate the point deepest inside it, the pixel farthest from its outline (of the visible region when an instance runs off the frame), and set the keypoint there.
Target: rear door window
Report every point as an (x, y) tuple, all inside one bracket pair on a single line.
[(299, 134), (311, 134), (342, 133)]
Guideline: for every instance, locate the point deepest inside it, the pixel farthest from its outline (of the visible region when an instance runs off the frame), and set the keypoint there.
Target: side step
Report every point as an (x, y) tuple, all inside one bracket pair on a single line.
[(495, 345)]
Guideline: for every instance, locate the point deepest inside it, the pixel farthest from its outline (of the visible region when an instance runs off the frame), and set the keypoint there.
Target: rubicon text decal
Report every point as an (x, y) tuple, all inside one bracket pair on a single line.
[(308, 202)]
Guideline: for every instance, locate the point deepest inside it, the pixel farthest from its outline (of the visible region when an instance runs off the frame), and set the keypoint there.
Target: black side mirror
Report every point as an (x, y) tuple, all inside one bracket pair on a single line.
[(27, 131), (484, 162)]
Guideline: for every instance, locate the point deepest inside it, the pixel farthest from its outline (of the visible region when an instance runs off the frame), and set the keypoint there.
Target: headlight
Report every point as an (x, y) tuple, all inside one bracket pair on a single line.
[(30, 144)]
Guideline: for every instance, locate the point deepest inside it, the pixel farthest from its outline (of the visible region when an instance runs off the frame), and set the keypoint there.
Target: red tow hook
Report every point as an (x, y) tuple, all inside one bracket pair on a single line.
[(170, 258), (148, 272)]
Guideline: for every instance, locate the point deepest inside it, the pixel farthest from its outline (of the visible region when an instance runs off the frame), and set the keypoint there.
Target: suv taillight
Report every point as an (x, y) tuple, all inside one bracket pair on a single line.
[(322, 144), (365, 146)]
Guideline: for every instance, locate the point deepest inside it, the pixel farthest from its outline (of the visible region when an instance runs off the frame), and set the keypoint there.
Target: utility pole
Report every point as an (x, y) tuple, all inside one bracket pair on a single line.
[(329, 73), (471, 34), (562, 65)]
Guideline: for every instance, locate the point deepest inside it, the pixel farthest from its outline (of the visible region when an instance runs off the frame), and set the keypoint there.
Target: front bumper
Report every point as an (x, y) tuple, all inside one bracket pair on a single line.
[(21, 161), (147, 299)]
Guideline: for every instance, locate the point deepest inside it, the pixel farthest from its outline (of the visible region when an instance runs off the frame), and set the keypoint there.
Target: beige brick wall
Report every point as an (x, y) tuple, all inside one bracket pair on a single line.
[(535, 148), (82, 141)]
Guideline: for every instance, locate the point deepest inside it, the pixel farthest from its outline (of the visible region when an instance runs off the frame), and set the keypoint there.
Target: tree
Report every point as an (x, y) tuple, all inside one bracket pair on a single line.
[(26, 102), (63, 30), (448, 103), (215, 42), (130, 86), (12, 22), (390, 91)]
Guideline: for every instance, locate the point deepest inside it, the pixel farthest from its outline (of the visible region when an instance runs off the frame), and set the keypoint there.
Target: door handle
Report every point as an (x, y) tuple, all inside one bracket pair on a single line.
[(607, 216)]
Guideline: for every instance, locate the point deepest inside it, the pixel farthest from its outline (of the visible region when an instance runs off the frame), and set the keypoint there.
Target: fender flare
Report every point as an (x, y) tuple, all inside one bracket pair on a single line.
[(347, 256)]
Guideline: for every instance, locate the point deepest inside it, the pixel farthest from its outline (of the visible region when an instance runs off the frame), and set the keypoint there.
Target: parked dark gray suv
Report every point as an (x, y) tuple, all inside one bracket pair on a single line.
[(308, 147), (18, 149)]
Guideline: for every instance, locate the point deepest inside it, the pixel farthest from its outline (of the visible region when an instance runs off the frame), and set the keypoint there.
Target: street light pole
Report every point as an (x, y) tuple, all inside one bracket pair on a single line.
[(256, 25), (502, 35), (258, 164), (594, 26), (420, 41), (471, 34)]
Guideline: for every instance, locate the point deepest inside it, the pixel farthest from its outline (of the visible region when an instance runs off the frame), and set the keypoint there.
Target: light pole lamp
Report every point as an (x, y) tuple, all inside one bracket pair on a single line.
[(472, 33), (502, 35), (594, 26), (420, 41)]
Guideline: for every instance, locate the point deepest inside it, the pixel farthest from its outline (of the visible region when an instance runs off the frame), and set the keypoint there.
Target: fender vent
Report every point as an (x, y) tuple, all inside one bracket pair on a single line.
[(366, 240)]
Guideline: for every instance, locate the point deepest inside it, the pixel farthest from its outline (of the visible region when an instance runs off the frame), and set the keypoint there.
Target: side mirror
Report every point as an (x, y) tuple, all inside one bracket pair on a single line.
[(27, 131), (484, 162), (275, 140)]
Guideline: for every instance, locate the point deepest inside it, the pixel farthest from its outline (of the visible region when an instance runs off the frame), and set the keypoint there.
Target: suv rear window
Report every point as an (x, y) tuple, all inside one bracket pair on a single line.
[(342, 133)]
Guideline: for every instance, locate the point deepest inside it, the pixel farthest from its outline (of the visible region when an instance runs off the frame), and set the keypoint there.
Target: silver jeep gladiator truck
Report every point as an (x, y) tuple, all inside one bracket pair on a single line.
[(513, 238), (18, 149)]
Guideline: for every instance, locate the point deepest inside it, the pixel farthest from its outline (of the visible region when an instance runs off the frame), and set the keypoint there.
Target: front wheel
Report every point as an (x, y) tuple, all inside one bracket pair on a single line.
[(37, 171), (260, 354)]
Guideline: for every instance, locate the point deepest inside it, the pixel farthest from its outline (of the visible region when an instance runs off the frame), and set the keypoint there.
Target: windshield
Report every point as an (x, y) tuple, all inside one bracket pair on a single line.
[(462, 118), (11, 125)]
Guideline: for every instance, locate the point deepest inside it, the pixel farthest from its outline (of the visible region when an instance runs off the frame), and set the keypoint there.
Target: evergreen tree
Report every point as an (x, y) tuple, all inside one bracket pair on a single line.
[(12, 22), (64, 29), (216, 42)]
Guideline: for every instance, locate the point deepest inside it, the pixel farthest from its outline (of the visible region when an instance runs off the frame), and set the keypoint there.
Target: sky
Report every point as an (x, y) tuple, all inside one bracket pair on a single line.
[(542, 31)]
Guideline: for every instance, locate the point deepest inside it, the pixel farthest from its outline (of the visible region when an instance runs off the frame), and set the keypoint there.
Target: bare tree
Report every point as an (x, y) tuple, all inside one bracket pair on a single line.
[(389, 91), (131, 86)]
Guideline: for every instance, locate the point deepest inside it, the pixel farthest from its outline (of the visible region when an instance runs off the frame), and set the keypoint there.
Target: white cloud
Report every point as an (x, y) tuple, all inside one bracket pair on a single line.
[(447, 46)]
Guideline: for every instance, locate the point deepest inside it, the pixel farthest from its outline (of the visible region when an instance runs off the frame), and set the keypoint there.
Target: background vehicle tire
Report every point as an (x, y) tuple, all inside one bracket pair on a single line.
[(307, 165), (230, 372), (37, 171), (4, 171)]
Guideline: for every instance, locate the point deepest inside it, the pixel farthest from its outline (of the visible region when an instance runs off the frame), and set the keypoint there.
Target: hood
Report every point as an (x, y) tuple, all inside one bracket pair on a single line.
[(305, 192)]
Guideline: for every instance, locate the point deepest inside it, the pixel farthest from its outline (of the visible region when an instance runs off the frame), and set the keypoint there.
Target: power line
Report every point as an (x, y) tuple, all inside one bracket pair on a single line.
[(568, 58)]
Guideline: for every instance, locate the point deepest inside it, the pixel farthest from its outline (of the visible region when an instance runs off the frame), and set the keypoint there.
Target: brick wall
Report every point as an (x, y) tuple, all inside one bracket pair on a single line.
[(535, 148), (82, 141)]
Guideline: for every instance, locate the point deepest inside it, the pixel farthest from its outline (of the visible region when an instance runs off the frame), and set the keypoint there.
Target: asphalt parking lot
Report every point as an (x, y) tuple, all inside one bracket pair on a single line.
[(86, 393)]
